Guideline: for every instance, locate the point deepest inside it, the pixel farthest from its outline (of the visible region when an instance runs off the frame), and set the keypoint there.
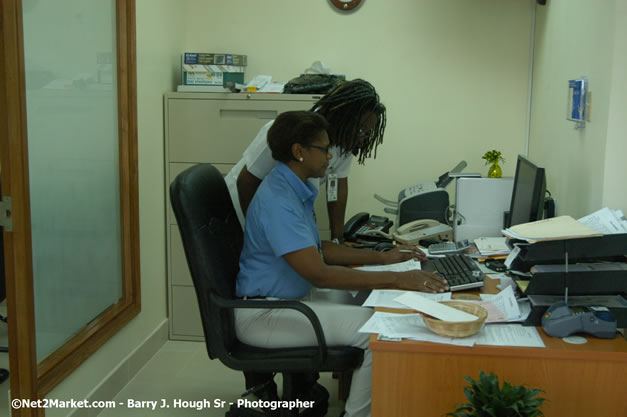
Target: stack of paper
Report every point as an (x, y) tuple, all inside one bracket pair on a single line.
[(556, 228), (492, 246), (606, 221)]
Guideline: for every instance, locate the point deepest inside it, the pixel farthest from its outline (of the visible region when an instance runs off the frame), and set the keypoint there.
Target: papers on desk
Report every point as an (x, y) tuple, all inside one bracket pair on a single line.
[(492, 246), (556, 228), (409, 326), (433, 308), (502, 307), (398, 267), (606, 221), (386, 298), (509, 335)]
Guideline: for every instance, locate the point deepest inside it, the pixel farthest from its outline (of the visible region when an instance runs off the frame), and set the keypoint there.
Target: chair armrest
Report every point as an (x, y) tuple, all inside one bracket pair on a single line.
[(283, 304)]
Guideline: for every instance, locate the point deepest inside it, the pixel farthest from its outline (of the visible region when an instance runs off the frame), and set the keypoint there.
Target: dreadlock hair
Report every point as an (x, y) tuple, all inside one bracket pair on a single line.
[(345, 107)]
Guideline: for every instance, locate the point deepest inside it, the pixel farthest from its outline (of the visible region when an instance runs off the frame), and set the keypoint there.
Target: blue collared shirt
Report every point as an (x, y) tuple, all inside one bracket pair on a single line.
[(279, 220)]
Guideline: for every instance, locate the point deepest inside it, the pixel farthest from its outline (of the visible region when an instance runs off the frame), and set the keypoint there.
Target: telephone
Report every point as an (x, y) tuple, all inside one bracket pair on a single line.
[(413, 232), (364, 226)]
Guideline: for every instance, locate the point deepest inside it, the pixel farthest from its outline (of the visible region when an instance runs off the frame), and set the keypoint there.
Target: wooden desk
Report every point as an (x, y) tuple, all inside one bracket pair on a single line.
[(421, 379)]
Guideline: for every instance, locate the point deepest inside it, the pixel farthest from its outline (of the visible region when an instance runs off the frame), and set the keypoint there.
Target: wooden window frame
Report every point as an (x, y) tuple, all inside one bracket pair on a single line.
[(30, 379)]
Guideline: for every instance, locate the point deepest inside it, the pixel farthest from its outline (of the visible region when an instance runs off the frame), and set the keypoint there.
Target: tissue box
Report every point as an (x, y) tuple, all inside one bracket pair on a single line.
[(196, 74)]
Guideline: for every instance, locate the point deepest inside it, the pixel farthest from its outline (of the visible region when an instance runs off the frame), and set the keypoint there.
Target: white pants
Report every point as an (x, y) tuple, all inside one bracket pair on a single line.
[(289, 328)]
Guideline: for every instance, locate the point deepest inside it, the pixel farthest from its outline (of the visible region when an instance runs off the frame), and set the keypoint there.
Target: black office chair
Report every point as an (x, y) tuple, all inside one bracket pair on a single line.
[(212, 239)]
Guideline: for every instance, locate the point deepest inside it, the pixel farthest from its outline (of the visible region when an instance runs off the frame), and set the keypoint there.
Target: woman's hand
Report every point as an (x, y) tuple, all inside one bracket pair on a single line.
[(403, 253), (418, 280)]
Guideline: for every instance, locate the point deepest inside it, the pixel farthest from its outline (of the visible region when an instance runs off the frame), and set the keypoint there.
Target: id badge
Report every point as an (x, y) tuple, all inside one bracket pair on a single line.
[(331, 187)]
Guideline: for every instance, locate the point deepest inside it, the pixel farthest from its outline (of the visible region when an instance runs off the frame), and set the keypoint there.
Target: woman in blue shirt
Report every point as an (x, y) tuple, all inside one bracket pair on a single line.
[(283, 256)]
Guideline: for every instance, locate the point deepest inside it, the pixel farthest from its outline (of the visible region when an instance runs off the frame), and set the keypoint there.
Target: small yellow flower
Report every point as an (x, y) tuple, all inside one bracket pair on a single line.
[(493, 157)]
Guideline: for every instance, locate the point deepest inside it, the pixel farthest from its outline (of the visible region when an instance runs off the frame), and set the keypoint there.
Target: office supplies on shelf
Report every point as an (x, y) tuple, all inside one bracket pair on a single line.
[(459, 270), (445, 248), (480, 206), (560, 320), (616, 304), (427, 200), (556, 228)]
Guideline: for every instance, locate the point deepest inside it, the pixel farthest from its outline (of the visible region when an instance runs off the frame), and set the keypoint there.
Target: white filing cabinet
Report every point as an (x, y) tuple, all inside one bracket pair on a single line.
[(214, 128)]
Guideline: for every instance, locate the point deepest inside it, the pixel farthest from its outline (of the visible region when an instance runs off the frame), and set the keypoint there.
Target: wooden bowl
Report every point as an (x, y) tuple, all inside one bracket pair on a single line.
[(460, 328)]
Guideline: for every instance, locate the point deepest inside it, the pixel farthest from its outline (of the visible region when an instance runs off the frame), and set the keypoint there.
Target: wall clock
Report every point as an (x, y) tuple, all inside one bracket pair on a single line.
[(345, 5)]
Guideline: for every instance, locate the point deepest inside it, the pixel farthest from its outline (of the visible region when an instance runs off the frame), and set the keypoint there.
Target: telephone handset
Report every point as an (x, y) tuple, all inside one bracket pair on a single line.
[(364, 226), (416, 225), (413, 232)]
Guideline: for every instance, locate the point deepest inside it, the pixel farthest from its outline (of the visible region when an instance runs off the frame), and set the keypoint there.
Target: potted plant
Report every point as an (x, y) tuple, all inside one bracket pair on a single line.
[(487, 399), (493, 158)]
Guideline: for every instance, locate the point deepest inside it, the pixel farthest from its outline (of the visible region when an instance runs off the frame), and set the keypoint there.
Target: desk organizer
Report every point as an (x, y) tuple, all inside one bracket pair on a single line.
[(461, 328)]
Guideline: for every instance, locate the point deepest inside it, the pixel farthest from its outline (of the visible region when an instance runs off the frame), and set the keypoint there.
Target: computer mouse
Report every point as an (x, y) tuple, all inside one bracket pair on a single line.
[(384, 246)]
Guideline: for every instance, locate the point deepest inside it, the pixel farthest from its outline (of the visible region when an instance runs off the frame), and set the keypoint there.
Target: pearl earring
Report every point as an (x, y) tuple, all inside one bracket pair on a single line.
[(301, 159)]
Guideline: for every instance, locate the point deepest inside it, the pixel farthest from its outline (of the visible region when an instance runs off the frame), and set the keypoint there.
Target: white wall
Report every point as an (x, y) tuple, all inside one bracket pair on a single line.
[(159, 41), (614, 194), (453, 75), (577, 38)]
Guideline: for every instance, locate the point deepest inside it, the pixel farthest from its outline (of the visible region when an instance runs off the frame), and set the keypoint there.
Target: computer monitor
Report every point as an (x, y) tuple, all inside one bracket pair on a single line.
[(528, 193)]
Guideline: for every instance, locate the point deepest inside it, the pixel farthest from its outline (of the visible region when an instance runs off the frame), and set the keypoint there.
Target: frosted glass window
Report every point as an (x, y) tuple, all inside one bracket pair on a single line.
[(71, 104)]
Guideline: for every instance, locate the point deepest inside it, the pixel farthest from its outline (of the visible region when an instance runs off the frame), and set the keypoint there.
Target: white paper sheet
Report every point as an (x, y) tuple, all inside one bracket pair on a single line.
[(606, 221), (398, 267), (509, 335), (385, 298), (433, 308), (504, 301)]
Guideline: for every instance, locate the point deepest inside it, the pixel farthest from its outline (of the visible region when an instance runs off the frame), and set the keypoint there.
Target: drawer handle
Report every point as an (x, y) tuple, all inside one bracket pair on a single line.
[(248, 114)]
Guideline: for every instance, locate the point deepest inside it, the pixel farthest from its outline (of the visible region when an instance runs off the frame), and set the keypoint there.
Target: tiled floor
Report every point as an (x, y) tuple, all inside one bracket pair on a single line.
[(183, 371)]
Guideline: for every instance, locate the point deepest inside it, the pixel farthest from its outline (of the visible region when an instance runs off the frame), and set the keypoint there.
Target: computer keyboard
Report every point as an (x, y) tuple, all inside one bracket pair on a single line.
[(459, 270)]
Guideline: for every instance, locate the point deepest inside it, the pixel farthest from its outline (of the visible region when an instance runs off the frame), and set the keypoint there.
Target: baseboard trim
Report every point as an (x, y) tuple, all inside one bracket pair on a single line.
[(121, 375)]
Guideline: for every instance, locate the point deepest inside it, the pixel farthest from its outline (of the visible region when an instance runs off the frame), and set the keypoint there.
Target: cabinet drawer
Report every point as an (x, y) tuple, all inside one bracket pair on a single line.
[(185, 323), (218, 130), (179, 270)]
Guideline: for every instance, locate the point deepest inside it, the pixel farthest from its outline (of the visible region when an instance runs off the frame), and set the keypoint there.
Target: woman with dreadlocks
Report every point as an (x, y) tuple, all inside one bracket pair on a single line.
[(357, 123)]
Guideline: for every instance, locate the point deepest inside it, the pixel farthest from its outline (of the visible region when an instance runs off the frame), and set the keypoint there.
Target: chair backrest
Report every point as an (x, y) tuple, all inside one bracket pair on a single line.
[(212, 238)]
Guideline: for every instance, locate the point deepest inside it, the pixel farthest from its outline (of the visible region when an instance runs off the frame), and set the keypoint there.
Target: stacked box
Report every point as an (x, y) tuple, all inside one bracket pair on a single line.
[(212, 69)]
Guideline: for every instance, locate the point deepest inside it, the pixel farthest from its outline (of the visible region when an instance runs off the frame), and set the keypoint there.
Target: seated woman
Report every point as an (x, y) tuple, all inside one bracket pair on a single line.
[(283, 256)]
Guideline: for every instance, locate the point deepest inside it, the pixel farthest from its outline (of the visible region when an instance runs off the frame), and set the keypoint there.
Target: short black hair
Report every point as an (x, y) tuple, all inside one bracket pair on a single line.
[(293, 127), (345, 107)]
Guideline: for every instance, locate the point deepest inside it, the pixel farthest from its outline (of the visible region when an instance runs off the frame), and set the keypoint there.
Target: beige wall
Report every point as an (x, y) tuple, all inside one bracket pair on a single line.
[(614, 194), (157, 65), (576, 38), (453, 74)]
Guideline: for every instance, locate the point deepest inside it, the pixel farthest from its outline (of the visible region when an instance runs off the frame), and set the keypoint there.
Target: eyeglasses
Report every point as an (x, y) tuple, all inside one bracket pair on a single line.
[(324, 149)]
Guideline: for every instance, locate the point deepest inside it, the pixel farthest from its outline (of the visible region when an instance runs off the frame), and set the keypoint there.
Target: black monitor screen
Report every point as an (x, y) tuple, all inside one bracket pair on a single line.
[(528, 193)]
